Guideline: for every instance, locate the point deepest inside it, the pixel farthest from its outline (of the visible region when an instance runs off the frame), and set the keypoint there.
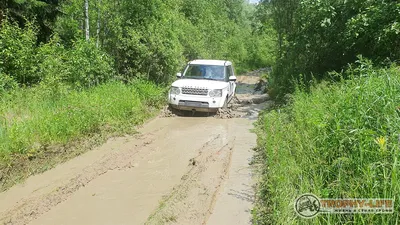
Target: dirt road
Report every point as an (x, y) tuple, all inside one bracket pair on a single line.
[(177, 170)]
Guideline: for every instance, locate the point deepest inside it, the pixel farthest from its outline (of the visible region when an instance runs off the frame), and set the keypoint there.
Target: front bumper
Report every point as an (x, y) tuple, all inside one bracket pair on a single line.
[(198, 103)]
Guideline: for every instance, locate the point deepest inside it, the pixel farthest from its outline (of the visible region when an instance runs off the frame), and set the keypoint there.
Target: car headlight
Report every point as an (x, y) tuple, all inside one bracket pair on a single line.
[(216, 93), (175, 91)]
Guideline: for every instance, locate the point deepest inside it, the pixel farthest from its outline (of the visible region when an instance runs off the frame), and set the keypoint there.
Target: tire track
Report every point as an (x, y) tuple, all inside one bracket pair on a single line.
[(193, 199)]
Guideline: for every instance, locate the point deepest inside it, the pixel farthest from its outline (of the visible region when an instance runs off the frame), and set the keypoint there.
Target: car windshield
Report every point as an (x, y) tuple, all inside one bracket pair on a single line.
[(208, 72)]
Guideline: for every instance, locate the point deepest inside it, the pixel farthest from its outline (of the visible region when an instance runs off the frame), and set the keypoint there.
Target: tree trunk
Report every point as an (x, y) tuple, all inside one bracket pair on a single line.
[(87, 34), (98, 23)]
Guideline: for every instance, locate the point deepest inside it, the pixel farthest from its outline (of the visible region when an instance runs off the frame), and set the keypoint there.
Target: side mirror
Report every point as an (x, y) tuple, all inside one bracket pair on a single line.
[(179, 75), (232, 78)]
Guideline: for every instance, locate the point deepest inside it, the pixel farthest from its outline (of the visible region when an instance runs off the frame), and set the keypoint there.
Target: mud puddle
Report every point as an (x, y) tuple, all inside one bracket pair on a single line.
[(177, 170)]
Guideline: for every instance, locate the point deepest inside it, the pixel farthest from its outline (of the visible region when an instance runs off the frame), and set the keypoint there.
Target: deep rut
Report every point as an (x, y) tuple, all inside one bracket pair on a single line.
[(192, 200)]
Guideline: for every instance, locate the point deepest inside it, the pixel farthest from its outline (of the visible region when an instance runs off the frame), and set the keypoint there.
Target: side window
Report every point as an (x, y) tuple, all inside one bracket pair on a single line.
[(228, 72)]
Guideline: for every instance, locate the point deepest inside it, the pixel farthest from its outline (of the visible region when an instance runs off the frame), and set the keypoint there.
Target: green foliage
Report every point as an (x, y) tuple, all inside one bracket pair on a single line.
[(7, 83), (69, 25), (18, 52), (149, 93), (153, 39), (336, 141), (82, 65), (23, 12), (316, 37), (86, 65), (145, 39)]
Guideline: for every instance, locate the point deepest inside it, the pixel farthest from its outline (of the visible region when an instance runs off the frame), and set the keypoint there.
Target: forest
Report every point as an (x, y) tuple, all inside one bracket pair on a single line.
[(316, 37), (70, 69), (94, 41)]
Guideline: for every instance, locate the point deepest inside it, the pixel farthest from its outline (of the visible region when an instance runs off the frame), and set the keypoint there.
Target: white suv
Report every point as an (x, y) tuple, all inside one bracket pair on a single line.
[(205, 85)]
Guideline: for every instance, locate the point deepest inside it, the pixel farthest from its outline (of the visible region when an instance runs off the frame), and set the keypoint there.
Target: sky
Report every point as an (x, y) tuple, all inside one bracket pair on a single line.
[(254, 1)]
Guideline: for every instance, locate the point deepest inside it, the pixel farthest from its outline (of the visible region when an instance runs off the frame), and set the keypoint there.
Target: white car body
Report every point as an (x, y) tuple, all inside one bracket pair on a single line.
[(203, 93)]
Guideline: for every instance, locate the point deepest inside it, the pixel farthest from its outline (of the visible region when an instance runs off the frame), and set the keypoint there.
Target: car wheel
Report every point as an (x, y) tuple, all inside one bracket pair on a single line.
[(175, 111)]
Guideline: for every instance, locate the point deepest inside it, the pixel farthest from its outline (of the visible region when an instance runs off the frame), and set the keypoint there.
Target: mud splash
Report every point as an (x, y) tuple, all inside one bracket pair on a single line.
[(167, 112), (228, 113)]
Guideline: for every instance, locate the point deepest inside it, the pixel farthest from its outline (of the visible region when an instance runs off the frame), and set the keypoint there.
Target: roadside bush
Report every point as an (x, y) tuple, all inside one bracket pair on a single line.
[(151, 94), (262, 50), (7, 83), (87, 66), (336, 141), (81, 66), (18, 52), (154, 54)]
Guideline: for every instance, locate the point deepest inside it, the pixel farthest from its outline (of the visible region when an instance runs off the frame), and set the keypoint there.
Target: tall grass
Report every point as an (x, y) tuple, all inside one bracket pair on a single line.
[(35, 118), (339, 140)]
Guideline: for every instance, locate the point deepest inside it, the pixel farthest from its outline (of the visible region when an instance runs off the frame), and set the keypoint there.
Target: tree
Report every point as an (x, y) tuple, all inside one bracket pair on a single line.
[(44, 12), (150, 39), (316, 37), (87, 28), (98, 4)]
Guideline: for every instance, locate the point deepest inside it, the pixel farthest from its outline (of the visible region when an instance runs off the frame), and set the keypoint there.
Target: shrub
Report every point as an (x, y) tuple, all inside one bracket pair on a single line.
[(87, 66), (18, 52), (7, 83), (81, 66), (151, 94)]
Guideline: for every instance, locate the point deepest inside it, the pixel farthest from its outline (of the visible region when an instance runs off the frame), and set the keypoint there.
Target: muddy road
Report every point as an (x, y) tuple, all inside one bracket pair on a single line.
[(176, 170)]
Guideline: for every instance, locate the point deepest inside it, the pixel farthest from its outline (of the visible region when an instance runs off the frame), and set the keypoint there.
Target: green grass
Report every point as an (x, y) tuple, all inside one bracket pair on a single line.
[(35, 119), (340, 140)]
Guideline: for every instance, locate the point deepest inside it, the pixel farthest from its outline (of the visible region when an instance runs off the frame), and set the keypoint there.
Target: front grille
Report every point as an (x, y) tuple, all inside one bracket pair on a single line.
[(195, 91), (194, 104)]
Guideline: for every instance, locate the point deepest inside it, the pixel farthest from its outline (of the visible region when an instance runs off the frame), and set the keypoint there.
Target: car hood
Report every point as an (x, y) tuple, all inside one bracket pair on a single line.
[(197, 83)]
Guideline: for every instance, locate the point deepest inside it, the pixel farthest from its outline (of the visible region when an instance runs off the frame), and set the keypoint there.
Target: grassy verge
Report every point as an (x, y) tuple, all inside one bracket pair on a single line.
[(38, 125), (339, 140)]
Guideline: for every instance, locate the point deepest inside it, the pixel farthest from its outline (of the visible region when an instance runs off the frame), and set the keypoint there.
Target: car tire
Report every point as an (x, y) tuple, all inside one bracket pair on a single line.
[(175, 111)]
